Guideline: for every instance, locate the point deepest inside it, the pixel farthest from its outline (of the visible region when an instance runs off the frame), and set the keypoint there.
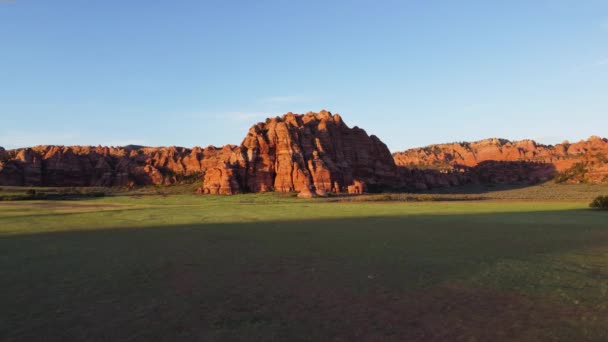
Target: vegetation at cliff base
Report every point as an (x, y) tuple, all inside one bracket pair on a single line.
[(576, 173)]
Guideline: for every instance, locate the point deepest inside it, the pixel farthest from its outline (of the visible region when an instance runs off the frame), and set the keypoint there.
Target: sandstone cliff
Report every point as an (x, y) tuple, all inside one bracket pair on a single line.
[(583, 161), (315, 152), (98, 166)]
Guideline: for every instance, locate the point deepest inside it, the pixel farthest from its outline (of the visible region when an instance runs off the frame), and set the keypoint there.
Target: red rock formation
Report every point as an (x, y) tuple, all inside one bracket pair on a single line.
[(98, 166), (220, 181), (315, 151), (314, 154), (321, 193), (356, 188), (527, 157), (306, 193)]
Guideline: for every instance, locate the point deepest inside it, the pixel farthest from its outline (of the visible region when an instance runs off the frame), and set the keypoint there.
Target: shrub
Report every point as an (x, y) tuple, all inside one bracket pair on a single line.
[(30, 192), (189, 178), (575, 173), (600, 202), (602, 157)]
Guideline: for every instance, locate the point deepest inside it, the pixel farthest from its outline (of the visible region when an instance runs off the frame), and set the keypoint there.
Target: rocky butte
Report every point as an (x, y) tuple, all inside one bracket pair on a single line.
[(312, 154)]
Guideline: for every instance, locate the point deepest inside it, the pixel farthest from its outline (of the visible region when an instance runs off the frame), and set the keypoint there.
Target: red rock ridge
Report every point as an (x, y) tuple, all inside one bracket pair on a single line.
[(591, 155), (313, 154), (316, 152), (99, 166)]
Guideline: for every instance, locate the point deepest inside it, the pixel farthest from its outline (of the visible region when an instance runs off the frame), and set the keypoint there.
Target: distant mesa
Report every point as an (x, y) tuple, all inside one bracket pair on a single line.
[(134, 147), (312, 154)]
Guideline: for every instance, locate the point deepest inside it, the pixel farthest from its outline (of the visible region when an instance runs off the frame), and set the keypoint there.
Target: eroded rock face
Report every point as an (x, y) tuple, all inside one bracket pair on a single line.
[(99, 166), (315, 151), (306, 193), (356, 188), (312, 154), (500, 160), (220, 181)]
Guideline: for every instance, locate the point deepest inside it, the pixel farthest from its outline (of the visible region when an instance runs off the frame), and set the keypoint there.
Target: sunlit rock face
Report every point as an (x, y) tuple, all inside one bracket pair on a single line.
[(313, 154), (507, 161), (315, 151)]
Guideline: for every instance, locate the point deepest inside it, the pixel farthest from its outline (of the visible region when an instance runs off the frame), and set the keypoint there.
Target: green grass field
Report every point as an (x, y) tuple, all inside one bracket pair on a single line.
[(270, 267)]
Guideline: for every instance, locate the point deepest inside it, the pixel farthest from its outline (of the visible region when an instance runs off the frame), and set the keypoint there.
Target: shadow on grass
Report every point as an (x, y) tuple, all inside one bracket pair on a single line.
[(370, 278)]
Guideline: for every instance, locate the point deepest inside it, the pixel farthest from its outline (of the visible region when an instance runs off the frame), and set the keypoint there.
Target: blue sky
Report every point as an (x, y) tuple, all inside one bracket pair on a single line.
[(195, 73)]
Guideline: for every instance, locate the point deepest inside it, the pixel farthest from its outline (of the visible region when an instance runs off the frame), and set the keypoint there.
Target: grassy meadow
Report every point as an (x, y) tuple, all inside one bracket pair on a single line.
[(527, 264)]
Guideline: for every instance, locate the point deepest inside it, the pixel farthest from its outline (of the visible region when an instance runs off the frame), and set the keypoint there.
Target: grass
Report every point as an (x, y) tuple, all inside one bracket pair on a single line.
[(270, 267), (545, 191)]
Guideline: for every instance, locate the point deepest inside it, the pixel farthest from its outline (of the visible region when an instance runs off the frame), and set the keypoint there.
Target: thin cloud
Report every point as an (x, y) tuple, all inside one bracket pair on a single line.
[(586, 67), (241, 116), (259, 110), (233, 116), (237, 117), (283, 100), (474, 107), (602, 62)]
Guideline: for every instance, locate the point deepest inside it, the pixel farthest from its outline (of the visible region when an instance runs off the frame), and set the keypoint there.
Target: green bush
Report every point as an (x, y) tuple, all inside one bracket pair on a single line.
[(600, 202), (189, 178), (575, 173)]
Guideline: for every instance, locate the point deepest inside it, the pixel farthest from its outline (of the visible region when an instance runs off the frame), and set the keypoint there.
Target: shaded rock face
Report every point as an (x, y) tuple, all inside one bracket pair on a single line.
[(500, 160), (486, 172), (20, 167), (99, 166), (356, 188)]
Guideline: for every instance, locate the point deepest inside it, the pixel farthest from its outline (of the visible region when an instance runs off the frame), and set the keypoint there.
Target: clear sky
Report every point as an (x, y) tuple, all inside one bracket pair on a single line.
[(195, 73)]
